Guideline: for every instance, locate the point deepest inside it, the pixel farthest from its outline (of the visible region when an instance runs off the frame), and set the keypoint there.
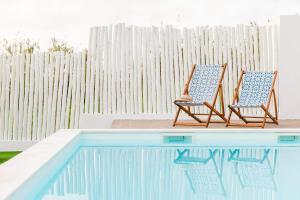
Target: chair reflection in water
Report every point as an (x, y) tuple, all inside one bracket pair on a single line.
[(204, 174), (253, 171)]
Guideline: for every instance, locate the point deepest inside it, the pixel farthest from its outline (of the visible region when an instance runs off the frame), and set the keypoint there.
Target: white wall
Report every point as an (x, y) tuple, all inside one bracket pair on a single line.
[(289, 67)]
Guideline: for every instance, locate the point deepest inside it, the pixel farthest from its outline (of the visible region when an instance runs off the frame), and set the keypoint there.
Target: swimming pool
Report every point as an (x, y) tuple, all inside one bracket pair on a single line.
[(159, 164)]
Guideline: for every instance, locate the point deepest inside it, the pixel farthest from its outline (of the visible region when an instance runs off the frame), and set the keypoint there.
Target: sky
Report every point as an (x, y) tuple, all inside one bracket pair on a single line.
[(70, 20)]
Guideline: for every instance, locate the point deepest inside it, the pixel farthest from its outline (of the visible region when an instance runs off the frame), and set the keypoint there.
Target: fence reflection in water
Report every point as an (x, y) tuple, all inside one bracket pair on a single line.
[(168, 173)]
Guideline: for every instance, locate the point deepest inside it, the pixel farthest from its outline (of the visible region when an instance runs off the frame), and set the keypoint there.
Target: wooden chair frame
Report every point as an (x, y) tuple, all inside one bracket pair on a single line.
[(209, 105), (265, 108)]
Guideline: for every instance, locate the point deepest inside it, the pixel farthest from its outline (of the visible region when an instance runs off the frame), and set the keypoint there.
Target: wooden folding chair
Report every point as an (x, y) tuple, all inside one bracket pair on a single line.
[(257, 92), (204, 85)]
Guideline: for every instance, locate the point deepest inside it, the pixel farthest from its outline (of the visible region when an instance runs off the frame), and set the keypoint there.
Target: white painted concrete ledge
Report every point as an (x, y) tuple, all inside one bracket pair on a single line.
[(18, 170)]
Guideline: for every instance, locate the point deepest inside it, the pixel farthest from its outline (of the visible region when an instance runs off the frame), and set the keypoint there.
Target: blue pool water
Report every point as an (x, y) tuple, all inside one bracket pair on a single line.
[(176, 171)]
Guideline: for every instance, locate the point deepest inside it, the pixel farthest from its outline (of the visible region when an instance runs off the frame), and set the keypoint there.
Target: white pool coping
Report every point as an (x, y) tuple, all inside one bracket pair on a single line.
[(19, 169)]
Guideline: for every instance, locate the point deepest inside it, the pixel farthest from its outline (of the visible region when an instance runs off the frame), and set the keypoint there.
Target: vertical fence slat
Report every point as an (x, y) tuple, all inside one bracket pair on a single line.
[(13, 70), (230, 71), (171, 69), (73, 92), (78, 88), (176, 64), (163, 71), (100, 98), (21, 99), (109, 71), (113, 71), (40, 96), (16, 98), (130, 68), (46, 92), (35, 98), (69, 93), (98, 58), (83, 81), (144, 71), (66, 79), (123, 80), (135, 69), (167, 71), (57, 57), (157, 71), (26, 96), (105, 72), (6, 105), (103, 85), (180, 60), (3, 78), (152, 72), (60, 91), (30, 104)]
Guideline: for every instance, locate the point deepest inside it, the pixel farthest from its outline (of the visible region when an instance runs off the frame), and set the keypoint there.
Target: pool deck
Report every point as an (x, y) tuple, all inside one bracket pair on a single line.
[(167, 124)]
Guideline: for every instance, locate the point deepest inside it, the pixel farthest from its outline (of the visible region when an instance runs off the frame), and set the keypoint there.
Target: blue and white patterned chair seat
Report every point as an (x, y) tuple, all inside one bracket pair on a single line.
[(256, 89), (204, 84)]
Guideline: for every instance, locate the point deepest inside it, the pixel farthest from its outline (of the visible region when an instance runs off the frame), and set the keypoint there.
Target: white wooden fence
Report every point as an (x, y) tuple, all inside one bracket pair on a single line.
[(133, 70), (40, 93), (128, 70)]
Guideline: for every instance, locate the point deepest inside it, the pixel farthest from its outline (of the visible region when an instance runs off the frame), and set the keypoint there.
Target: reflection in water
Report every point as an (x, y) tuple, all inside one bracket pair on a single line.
[(254, 170), (204, 173), (117, 173)]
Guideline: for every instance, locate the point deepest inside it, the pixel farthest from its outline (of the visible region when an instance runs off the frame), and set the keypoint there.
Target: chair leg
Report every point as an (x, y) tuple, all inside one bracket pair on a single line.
[(238, 114), (239, 110), (209, 117), (267, 113), (275, 105), (176, 116), (229, 117), (264, 120), (222, 101), (212, 109)]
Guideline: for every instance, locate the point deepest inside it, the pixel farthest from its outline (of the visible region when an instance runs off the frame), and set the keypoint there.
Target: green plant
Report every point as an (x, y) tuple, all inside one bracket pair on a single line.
[(18, 46), (57, 45)]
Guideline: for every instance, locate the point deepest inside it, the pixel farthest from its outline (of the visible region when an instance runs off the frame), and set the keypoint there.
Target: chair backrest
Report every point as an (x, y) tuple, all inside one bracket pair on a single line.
[(204, 83), (256, 88)]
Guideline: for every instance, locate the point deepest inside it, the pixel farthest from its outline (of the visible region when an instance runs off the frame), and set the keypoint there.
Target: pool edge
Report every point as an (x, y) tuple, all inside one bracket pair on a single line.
[(16, 172)]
